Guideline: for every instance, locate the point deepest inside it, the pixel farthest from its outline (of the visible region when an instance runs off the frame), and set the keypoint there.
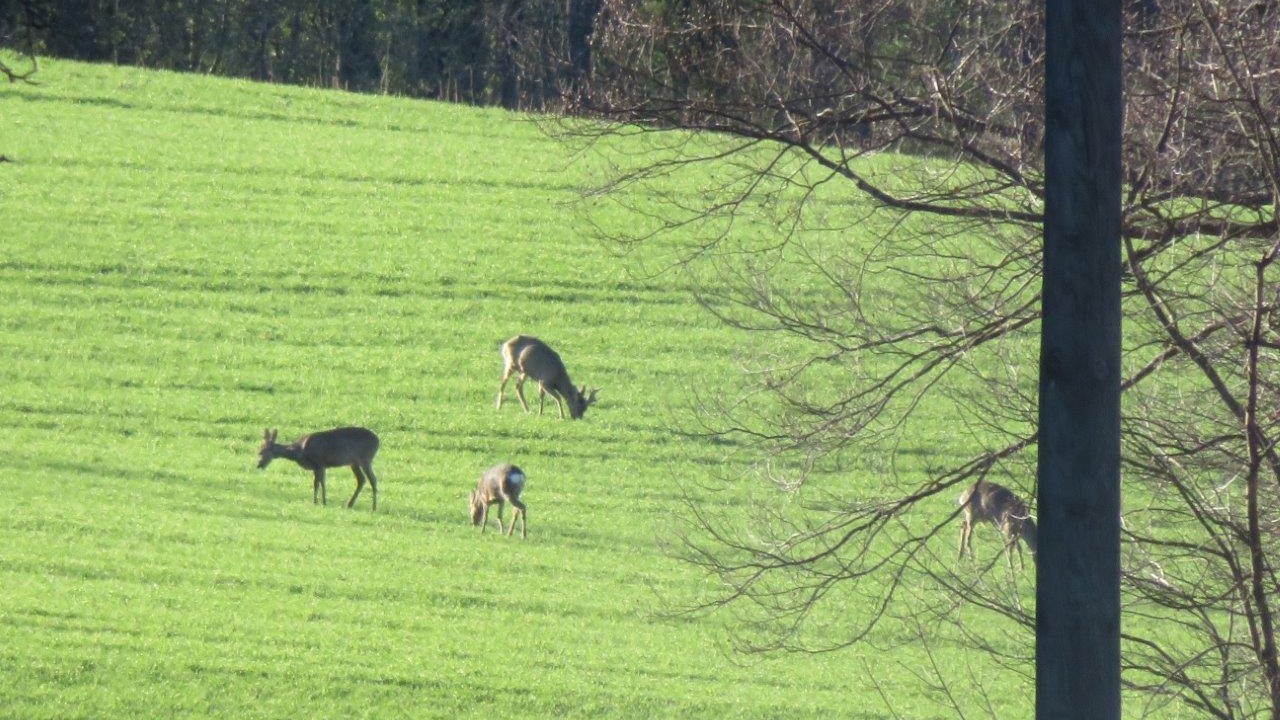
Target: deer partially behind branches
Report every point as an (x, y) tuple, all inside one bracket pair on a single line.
[(352, 447), (499, 485), (532, 358), (1003, 508)]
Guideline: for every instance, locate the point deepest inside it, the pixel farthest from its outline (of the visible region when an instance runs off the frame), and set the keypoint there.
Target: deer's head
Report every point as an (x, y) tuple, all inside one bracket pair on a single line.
[(267, 452), (580, 401), (477, 506)]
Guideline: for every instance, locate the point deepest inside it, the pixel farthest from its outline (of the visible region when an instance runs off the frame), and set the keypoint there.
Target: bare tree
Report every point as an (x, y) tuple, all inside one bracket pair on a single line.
[(13, 25), (20, 75), (929, 304)]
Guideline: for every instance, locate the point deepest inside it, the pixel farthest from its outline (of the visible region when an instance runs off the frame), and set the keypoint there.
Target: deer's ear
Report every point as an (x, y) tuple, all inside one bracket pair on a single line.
[(266, 434)]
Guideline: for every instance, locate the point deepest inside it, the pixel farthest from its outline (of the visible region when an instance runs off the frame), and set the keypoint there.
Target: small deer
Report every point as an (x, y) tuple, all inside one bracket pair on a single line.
[(499, 485), (352, 447), (997, 503), (532, 358)]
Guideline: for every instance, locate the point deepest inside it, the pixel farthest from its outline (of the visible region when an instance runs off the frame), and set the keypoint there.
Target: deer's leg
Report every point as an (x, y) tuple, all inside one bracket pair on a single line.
[(484, 518), (1011, 544), (501, 505), (965, 531), (355, 468), (1009, 549), (522, 513), (373, 484), (543, 392), (1022, 560), (520, 391), (502, 386), (317, 487)]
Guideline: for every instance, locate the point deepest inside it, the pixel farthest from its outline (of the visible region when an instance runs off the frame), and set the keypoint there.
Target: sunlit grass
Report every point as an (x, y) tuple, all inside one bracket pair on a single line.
[(186, 261)]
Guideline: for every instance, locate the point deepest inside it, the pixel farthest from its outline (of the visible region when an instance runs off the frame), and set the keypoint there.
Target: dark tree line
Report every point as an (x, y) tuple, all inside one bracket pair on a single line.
[(514, 53)]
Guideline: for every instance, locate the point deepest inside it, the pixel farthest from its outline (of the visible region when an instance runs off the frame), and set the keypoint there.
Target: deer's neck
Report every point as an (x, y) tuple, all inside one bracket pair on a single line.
[(564, 386), (293, 452)]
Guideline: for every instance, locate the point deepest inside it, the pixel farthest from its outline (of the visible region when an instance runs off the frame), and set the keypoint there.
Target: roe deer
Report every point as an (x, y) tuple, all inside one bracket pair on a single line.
[(997, 503), (352, 447), (533, 358), (500, 484)]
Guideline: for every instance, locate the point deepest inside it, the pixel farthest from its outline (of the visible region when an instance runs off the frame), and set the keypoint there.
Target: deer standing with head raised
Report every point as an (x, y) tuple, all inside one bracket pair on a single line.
[(532, 358), (352, 447)]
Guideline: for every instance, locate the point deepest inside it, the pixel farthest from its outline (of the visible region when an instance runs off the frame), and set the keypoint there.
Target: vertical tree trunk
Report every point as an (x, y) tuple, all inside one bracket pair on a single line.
[(74, 33), (506, 48), (1078, 583), (582, 19), (1259, 587), (358, 67)]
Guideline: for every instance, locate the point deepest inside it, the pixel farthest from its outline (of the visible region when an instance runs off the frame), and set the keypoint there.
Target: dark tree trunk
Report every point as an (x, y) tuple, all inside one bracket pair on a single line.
[(506, 49), (582, 19), (263, 21), (358, 57), (1078, 583), (76, 31)]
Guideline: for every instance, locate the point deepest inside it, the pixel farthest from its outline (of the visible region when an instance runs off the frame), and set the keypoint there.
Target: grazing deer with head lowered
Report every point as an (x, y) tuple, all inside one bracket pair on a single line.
[(352, 447), (499, 485), (988, 501), (532, 358)]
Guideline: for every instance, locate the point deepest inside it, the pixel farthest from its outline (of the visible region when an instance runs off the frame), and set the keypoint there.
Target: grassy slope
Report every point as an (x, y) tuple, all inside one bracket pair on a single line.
[(187, 260)]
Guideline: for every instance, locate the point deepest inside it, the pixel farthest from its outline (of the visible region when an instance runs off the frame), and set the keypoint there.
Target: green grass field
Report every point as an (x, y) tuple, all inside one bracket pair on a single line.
[(186, 261)]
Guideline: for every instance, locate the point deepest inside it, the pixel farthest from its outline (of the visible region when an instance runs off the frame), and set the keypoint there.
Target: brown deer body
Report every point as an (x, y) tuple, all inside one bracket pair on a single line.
[(532, 358), (499, 485), (352, 447), (998, 504)]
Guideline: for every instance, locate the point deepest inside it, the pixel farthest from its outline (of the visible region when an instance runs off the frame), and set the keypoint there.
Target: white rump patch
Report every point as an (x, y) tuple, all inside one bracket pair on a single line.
[(516, 479)]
